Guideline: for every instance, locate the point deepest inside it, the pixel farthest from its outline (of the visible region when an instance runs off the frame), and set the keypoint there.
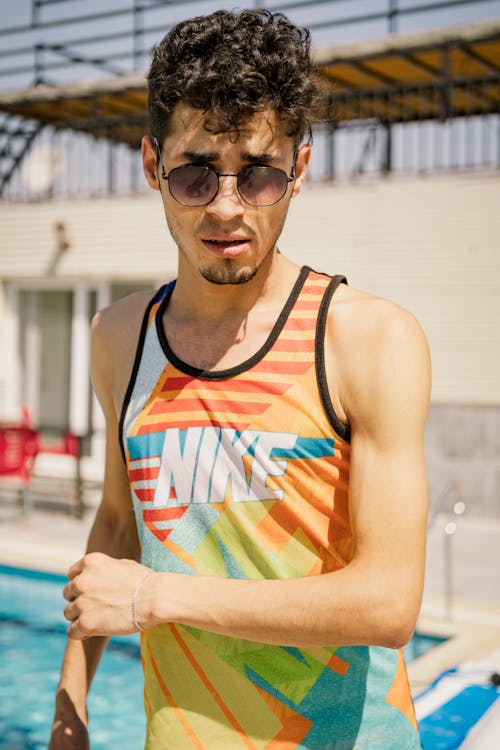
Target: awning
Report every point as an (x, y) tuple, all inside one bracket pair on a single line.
[(433, 75)]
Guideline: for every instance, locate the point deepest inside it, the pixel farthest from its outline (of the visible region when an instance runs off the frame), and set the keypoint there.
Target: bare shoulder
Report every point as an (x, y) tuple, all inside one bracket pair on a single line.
[(114, 337), (375, 349), (121, 318), (369, 318)]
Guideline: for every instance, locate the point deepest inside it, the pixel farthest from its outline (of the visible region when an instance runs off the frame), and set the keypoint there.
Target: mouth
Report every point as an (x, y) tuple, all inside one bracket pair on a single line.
[(226, 247)]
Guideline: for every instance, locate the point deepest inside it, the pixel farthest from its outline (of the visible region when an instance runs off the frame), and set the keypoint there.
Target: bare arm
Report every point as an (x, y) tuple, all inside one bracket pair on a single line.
[(373, 600), (114, 533)]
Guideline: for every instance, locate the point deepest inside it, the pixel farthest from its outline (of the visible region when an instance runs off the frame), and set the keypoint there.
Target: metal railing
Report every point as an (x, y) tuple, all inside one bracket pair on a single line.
[(54, 47), (450, 504), (63, 164)]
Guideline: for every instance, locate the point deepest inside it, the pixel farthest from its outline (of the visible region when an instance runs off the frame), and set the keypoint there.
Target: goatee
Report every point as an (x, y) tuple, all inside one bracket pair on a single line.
[(228, 273)]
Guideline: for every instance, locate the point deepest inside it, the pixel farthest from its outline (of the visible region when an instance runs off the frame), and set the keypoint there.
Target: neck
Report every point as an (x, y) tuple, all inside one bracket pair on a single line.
[(196, 299)]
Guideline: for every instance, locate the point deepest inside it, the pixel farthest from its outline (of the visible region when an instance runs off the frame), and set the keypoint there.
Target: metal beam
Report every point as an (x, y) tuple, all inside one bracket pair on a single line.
[(480, 95), (409, 57), (444, 88), (368, 146), (17, 159), (490, 66), (61, 49), (335, 79), (365, 68)]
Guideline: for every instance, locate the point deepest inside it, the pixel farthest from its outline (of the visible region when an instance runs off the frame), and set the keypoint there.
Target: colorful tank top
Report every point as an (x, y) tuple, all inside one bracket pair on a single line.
[(244, 473)]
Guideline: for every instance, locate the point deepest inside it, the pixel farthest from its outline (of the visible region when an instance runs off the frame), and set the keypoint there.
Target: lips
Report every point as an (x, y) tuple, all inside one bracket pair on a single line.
[(226, 240), (226, 245)]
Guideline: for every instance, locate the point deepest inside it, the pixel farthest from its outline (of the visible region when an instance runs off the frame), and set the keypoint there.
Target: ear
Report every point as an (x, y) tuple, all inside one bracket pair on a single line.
[(149, 162), (303, 156)]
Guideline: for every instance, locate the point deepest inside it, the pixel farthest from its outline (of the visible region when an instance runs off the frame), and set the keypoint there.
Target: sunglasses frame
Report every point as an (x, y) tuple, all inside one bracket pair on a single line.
[(166, 176)]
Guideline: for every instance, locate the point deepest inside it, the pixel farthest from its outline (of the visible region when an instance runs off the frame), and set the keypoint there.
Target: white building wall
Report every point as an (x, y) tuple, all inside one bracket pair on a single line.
[(114, 238)]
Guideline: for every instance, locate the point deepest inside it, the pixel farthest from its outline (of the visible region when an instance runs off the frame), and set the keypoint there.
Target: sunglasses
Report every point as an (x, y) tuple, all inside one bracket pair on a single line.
[(198, 184)]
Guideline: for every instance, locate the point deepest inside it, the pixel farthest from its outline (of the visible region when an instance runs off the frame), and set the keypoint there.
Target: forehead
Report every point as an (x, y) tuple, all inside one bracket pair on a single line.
[(189, 130)]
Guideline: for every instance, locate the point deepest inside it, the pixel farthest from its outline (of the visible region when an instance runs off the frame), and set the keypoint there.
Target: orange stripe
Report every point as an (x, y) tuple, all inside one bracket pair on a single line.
[(300, 324), (170, 698), (164, 514), (304, 304), (315, 288), (181, 553), (294, 345), (160, 534), (399, 694), (234, 386), (183, 424), (274, 537), (145, 495), (178, 383), (153, 312), (208, 405), (147, 704), (338, 665), (294, 725), (283, 368), (213, 692), (150, 472)]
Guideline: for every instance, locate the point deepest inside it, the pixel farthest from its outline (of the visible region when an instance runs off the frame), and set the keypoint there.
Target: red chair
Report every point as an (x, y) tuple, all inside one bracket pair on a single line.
[(68, 445), (19, 446)]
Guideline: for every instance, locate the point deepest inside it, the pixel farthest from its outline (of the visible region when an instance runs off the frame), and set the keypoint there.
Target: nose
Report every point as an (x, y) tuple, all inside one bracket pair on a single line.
[(227, 203)]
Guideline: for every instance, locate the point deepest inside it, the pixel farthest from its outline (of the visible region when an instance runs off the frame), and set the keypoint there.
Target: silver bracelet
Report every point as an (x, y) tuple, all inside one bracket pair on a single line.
[(134, 599)]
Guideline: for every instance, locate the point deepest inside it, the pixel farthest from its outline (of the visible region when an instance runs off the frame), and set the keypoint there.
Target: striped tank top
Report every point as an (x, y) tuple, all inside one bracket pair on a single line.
[(244, 473)]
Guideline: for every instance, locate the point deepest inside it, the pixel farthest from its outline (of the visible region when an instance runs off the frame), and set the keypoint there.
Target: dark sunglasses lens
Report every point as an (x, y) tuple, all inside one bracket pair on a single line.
[(262, 186), (193, 185)]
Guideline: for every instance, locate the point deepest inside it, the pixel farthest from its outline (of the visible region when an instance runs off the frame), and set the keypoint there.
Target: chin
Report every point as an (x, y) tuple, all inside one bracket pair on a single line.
[(228, 273)]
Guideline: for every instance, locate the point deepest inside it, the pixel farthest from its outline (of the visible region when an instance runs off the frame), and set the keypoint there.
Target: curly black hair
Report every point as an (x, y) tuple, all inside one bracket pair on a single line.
[(233, 65)]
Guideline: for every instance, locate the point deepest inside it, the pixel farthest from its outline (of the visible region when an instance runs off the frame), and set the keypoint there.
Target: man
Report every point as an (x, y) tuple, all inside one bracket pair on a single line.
[(267, 422)]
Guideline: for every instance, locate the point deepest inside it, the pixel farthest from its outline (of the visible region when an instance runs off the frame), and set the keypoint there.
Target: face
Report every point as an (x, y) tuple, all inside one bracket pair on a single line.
[(226, 241)]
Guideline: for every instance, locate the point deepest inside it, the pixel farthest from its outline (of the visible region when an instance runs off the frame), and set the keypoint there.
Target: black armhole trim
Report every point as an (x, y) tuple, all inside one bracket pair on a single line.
[(135, 368), (343, 430), (247, 364)]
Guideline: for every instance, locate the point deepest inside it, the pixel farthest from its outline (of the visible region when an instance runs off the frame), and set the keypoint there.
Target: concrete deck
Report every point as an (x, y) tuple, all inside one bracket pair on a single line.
[(468, 613)]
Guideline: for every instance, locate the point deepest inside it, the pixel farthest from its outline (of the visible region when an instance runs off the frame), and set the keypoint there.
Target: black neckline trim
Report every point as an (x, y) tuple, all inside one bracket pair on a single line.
[(248, 363), (343, 430), (136, 365)]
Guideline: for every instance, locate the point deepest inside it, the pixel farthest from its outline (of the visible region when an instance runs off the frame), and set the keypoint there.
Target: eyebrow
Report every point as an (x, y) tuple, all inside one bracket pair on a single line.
[(257, 158), (210, 157), (200, 158)]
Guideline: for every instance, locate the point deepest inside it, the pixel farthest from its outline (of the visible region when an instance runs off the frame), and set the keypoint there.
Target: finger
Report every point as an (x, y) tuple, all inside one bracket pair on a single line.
[(69, 592), (78, 632), (71, 611), (75, 632), (76, 568)]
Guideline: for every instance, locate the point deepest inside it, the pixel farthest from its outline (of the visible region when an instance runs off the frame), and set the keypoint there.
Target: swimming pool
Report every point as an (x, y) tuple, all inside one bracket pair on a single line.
[(32, 639)]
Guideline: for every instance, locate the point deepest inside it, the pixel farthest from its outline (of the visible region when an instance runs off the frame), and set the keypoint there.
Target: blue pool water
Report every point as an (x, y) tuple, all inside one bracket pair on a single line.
[(420, 644), (32, 639)]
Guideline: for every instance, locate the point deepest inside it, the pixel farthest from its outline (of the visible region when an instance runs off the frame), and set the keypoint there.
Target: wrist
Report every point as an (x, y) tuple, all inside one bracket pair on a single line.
[(154, 604), (146, 601), (142, 622)]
